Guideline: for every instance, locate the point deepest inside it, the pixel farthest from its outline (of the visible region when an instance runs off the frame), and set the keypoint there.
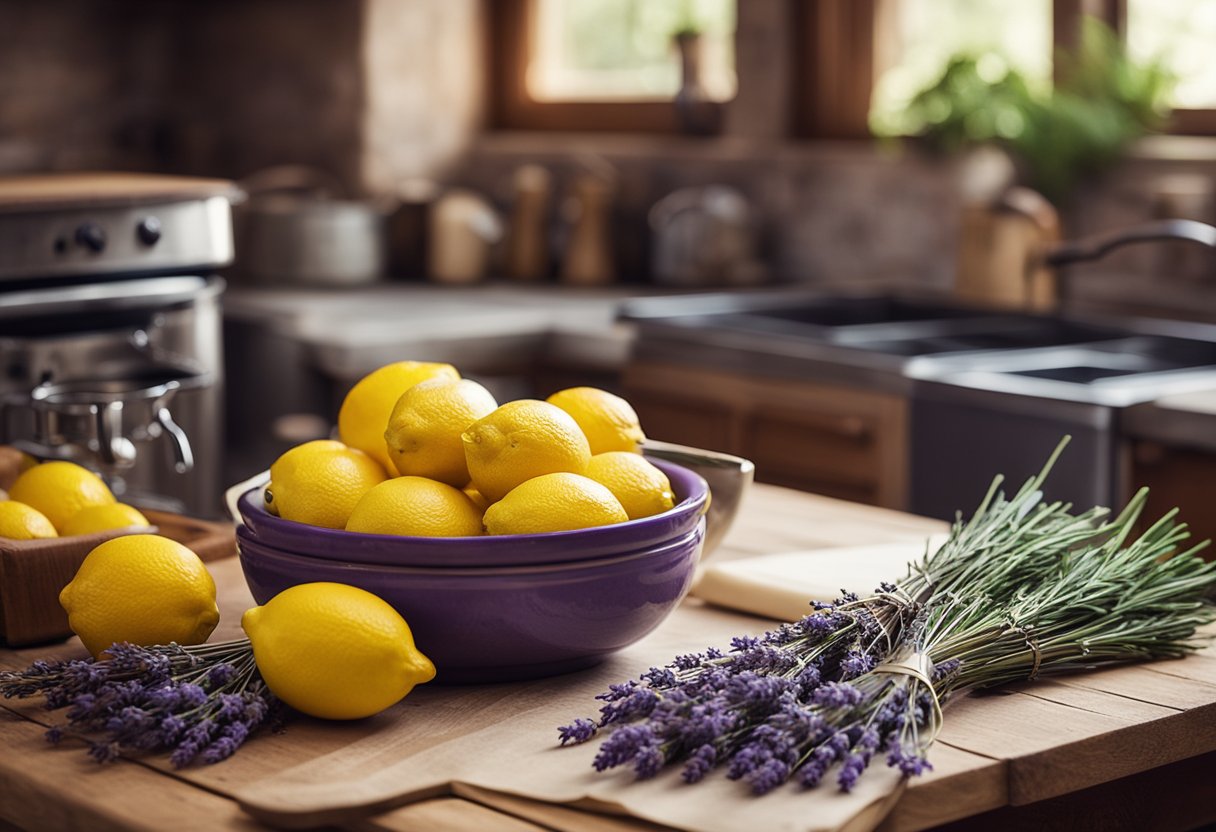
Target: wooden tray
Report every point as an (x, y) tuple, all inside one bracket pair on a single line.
[(32, 572)]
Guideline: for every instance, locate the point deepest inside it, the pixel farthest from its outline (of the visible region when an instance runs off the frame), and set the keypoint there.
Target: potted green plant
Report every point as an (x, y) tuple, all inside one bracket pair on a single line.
[(1101, 102)]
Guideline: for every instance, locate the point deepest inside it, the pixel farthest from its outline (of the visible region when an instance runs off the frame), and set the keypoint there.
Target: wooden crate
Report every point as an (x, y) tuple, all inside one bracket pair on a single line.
[(32, 572)]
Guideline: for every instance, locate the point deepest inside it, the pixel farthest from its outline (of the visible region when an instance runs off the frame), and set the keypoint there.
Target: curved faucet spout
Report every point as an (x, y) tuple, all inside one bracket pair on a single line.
[(1099, 245)]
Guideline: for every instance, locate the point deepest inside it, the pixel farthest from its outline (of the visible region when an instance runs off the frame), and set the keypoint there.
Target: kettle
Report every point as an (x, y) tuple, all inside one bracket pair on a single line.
[(703, 237), (297, 229)]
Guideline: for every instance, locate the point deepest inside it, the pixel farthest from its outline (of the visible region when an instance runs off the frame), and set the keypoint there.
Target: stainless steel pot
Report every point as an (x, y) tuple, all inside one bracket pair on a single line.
[(107, 417), (295, 228)]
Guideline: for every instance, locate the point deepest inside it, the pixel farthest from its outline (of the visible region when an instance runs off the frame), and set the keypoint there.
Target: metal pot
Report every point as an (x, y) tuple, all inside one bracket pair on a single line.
[(296, 229), (103, 419)]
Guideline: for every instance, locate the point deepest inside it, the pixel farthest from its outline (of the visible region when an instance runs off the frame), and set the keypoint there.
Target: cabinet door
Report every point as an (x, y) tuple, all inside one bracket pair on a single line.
[(1178, 477), (828, 439), (688, 420)]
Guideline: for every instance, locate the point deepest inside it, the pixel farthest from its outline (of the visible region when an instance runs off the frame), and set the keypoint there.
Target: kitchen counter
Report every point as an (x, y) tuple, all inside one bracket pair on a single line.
[(1186, 419), (1115, 749), (353, 331)]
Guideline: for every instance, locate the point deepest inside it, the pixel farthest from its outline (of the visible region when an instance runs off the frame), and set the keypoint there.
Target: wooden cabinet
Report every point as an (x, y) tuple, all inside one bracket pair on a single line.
[(827, 439), (1178, 476)]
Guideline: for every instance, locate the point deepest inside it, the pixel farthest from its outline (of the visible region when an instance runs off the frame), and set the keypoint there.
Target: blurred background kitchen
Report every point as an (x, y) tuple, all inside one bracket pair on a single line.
[(827, 235)]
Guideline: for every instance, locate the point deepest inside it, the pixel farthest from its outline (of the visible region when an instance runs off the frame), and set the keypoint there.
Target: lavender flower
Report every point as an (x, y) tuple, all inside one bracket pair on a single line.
[(836, 695), (198, 704), (659, 677), (578, 731), (648, 761), (855, 663), (623, 745), (769, 776), (700, 763)]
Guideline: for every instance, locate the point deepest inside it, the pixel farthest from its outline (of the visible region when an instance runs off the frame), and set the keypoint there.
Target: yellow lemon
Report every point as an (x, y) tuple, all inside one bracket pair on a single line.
[(424, 430), (59, 490), (642, 488), (521, 440), (21, 522), (609, 421), (366, 408), (416, 506), (554, 503), (479, 500), (102, 518), (320, 482), (141, 588), (334, 651)]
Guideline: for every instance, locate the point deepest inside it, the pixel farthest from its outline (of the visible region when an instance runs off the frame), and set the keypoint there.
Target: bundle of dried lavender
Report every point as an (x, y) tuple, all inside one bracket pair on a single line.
[(199, 704), (1020, 590)]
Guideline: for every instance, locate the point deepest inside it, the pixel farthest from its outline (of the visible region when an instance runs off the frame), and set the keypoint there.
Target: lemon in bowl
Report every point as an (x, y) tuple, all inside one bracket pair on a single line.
[(690, 494), (608, 421), (521, 440), (320, 483), (367, 407), (424, 430), (554, 503)]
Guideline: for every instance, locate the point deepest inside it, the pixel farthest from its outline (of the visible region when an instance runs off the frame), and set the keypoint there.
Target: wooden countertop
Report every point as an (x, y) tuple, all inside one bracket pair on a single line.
[(1112, 749)]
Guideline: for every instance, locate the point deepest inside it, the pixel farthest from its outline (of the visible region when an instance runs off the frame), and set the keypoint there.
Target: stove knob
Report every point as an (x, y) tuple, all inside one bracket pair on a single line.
[(148, 231), (92, 237)]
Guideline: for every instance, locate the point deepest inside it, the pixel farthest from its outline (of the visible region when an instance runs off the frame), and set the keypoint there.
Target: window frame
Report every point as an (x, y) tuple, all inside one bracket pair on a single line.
[(512, 107), (831, 73), (1183, 121)]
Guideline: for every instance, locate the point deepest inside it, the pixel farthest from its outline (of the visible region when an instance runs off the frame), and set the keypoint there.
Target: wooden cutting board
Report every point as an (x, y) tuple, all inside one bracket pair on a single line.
[(44, 192)]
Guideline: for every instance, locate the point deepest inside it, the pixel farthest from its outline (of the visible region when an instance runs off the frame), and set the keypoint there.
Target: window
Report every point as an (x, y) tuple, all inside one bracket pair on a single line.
[(916, 39), (605, 64), (847, 64), (1181, 34), (601, 50)]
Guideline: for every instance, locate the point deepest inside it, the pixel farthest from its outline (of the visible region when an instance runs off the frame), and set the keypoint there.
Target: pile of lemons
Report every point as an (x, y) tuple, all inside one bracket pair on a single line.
[(425, 452), (328, 650), (59, 498)]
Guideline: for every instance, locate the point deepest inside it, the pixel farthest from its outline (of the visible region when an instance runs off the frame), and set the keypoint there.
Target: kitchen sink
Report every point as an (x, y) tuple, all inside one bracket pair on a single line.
[(1115, 372), (1055, 357), (970, 334), (987, 391), (852, 311), (890, 325)]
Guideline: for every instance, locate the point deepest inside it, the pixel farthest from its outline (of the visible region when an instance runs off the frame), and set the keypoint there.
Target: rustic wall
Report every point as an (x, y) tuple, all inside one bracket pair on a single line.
[(831, 213), (371, 90), (267, 82), (379, 91), (79, 84), (423, 70)]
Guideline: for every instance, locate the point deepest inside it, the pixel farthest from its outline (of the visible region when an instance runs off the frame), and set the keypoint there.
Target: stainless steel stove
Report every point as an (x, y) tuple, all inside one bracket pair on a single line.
[(110, 350)]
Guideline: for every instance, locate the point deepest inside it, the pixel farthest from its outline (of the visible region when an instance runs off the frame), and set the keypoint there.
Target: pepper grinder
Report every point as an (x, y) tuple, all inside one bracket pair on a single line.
[(588, 256), (528, 240)]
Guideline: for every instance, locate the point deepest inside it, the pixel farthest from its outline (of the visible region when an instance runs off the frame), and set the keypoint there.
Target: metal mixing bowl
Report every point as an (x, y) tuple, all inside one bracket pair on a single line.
[(728, 477)]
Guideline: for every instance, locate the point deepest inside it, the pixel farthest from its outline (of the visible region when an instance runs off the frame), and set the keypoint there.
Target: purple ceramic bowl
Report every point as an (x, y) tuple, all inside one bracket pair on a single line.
[(506, 623), (491, 551)]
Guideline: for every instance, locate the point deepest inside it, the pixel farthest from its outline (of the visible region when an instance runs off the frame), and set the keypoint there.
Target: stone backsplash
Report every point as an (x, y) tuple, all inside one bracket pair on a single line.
[(381, 91)]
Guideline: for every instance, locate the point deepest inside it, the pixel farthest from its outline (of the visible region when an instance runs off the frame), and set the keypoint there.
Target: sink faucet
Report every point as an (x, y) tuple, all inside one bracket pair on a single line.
[(1099, 245)]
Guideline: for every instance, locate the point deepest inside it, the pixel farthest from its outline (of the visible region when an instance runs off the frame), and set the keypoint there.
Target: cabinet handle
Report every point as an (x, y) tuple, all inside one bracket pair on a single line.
[(854, 428)]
